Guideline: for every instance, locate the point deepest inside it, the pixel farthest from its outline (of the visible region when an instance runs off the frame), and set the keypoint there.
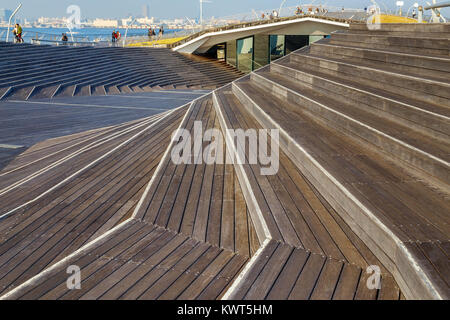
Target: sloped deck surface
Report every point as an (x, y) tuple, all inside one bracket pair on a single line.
[(191, 238), (48, 72), (369, 128), (54, 210), (362, 180)]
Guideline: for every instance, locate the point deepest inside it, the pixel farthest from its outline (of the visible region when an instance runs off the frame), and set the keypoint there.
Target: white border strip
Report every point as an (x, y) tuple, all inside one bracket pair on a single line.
[(84, 149), (365, 92), (245, 272), (86, 167), (376, 131), (350, 196), (48, 272)]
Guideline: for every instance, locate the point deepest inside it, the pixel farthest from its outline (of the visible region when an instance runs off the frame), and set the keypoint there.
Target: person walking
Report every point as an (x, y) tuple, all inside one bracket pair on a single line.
[(150, 33), (113, 38), (161, 32), (17, 31)]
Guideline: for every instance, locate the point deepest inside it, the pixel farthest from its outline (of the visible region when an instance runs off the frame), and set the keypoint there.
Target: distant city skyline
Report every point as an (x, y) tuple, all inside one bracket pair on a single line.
[(33, 9)]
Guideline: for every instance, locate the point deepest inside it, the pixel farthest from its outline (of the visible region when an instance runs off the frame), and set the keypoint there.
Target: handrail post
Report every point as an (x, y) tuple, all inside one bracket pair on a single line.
[(10, 19)]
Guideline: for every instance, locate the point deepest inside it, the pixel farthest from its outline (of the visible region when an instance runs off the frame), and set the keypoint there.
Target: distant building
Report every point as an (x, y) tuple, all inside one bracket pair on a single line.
[(145, 11), (5, 14), (105, 23)]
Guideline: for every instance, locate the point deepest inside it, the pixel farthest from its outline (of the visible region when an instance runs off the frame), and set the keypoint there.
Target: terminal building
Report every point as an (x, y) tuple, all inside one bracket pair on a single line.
[(250, 47)]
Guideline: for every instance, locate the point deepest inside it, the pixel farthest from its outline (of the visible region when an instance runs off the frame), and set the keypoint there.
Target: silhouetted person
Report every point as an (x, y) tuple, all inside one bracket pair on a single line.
[(64, 38)]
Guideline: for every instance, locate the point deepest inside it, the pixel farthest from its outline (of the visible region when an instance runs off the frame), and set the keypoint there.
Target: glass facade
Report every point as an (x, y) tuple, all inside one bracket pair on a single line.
[(245, 54), (277, 47)]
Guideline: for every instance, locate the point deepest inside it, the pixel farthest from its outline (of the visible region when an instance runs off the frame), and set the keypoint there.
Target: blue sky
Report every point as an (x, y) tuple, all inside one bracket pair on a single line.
[(170, 8)]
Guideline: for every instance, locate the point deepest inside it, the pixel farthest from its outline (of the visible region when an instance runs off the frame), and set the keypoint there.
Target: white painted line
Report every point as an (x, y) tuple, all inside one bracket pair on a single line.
[(87, 166), (366, 92), (10, 146), (373, 217), (150, 98), (398, 75), (163, 161), (196, 92), (72, 155), (107, 130), (61, 263), (245, 272), (394, 53), (239, 166), (376, 131), (85, 105)]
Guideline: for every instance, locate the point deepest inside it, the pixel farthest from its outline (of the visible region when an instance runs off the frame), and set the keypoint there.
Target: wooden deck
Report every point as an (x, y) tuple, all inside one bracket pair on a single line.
[(202, 201), (357, 185), (142, 261), (49, 218), (282, 272)]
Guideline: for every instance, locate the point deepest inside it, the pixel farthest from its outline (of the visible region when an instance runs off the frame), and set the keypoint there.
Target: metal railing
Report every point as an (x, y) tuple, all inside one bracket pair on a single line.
[(72, 43)]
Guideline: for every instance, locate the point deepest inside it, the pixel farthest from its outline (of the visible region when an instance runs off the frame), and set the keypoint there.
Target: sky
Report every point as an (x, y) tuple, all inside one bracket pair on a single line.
[(172, 8)]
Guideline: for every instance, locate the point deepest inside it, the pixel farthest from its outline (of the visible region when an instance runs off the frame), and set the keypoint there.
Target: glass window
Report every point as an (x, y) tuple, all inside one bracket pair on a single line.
[(245, 54), (277, 47)]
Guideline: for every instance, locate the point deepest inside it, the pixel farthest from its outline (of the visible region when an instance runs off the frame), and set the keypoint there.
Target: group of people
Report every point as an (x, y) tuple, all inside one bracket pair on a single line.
[(152, 33), (311, 11), (273, 15), (17, 31), (115, 37)]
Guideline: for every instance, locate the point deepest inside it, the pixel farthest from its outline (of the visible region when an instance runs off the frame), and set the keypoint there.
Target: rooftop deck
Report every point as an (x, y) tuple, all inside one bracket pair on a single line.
[(362, 181)]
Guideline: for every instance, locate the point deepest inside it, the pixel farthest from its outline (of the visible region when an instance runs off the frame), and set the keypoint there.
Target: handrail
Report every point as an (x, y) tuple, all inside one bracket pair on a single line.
[(10, 19), (438, 5), (68, 43)]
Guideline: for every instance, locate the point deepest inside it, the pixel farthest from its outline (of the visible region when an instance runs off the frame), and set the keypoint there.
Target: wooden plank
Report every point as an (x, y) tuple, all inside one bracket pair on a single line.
[(307, 279), (186, 279), (389, 289), (131, 286), (328, 280), (438, 258), (268, 276), (348, 283), (224, 279), (247, 282), (241, 222), (288, 276), (201, 282), (182, 266)]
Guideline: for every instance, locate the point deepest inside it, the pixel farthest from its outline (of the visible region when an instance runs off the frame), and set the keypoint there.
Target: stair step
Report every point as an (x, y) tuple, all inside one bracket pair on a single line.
[(421, 46), (98, 91), (399, 141), (429, 119), (112, 90), (428, 91), (413, 28), (429, 67), (42, 93), (377, 197)]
